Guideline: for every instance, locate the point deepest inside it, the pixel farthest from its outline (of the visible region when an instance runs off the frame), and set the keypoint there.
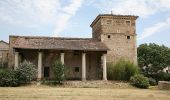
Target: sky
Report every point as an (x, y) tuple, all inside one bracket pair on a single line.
[(72, 18)]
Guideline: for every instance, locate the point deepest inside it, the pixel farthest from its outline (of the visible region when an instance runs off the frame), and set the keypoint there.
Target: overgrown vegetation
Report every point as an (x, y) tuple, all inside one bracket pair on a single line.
[(139, 81), (8, 78), (58, 71), (26, 72), (122, 70), (152, 81), (152, 59)]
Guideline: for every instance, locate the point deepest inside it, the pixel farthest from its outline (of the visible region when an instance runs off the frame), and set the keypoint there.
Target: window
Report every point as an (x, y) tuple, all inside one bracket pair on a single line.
[(76, 69), (128, 37), (128, 23), (167, 71), (108, 36)]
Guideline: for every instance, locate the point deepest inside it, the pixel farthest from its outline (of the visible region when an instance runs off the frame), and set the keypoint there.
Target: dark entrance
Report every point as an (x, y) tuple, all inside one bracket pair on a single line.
[(46, 72)]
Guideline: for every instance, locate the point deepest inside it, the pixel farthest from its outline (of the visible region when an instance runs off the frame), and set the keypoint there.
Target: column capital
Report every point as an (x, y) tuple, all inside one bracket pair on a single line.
[(62, 53), (39, 51), (16, 52)]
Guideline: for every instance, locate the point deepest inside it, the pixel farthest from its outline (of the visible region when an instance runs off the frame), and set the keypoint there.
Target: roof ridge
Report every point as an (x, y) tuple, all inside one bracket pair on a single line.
[(4, 41), (60, 38)]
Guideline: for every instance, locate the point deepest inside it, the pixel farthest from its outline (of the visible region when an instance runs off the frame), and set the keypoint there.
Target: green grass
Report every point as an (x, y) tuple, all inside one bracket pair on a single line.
[(54, 93)]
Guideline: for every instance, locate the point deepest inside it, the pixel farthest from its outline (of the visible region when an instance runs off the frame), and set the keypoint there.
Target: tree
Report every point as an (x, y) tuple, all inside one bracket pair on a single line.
[(152, 58), (58, 70)]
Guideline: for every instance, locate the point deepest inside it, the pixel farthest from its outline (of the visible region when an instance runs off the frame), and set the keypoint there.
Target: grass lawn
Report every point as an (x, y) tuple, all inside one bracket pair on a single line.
[(55, 93)]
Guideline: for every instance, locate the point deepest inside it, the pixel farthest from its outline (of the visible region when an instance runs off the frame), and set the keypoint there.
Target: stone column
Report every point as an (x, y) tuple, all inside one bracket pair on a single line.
[(39, 65), (62, 57), (16, 60), (83, 66), (104, 67)]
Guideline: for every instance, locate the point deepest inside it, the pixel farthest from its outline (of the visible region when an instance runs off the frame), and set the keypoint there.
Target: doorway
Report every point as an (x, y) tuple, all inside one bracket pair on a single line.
[(46, 72)]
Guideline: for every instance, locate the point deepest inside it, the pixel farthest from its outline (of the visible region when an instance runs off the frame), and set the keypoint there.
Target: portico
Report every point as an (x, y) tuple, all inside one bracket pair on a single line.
[(82, 64), (84, 59)]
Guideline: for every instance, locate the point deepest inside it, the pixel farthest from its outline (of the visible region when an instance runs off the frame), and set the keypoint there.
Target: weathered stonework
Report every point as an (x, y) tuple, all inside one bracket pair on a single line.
[(164, 85), (118, 32), (4, 47)]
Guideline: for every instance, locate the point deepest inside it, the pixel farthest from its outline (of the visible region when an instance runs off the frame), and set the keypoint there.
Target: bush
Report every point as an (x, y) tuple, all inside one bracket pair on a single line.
[(58, 70), (26, 72), (122, 70), (139, 81), (162, 76), (8, 78), (152, 81)]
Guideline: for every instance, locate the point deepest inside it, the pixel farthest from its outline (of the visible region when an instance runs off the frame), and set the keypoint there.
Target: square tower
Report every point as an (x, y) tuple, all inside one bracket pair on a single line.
[(118, 32)]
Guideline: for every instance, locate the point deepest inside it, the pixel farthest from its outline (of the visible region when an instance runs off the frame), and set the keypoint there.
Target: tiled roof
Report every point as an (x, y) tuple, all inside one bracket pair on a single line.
[(30, 42)]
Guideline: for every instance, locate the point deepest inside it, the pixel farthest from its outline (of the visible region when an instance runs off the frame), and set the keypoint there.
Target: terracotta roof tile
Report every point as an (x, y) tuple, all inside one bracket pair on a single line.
[(28, 42)]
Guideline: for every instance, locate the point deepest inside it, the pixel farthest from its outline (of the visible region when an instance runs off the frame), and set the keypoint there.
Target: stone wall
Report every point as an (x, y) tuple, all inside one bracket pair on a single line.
[(12, 40), (164, 85), (4, 51), (119, 34)]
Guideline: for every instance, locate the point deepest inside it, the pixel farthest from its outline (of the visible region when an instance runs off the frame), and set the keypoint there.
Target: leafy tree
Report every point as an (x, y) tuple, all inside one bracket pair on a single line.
[(58, 70), (153, 58)]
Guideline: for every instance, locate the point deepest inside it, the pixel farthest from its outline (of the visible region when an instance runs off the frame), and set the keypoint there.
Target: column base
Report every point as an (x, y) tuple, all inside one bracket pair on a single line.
[(39, 79), (83, 79), (105, 80)]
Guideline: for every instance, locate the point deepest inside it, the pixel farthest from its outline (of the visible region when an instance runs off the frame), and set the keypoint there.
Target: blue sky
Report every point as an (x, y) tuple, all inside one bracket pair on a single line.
[(72, 18)]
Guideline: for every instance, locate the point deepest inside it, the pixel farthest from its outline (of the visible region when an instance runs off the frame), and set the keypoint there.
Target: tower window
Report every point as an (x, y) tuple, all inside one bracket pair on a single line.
[(128, 37), (108, 36), (128, 23)]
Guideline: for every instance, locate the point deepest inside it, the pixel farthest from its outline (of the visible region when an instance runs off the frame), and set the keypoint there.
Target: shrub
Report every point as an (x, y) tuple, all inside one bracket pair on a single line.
[(139, 81), (122, 70), (26, 72), (8, 78), (58, 70), (152, 81), (161, 76)]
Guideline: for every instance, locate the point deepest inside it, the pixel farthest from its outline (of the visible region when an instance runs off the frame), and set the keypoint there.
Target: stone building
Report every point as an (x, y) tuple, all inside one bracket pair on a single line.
[(113, 37), (4, 47)]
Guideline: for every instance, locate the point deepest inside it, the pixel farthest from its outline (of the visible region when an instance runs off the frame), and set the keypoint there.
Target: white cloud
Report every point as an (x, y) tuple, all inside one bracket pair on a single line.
[(158, 27), (142, 8), (28, 13), (67, 13), (35, 13)]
